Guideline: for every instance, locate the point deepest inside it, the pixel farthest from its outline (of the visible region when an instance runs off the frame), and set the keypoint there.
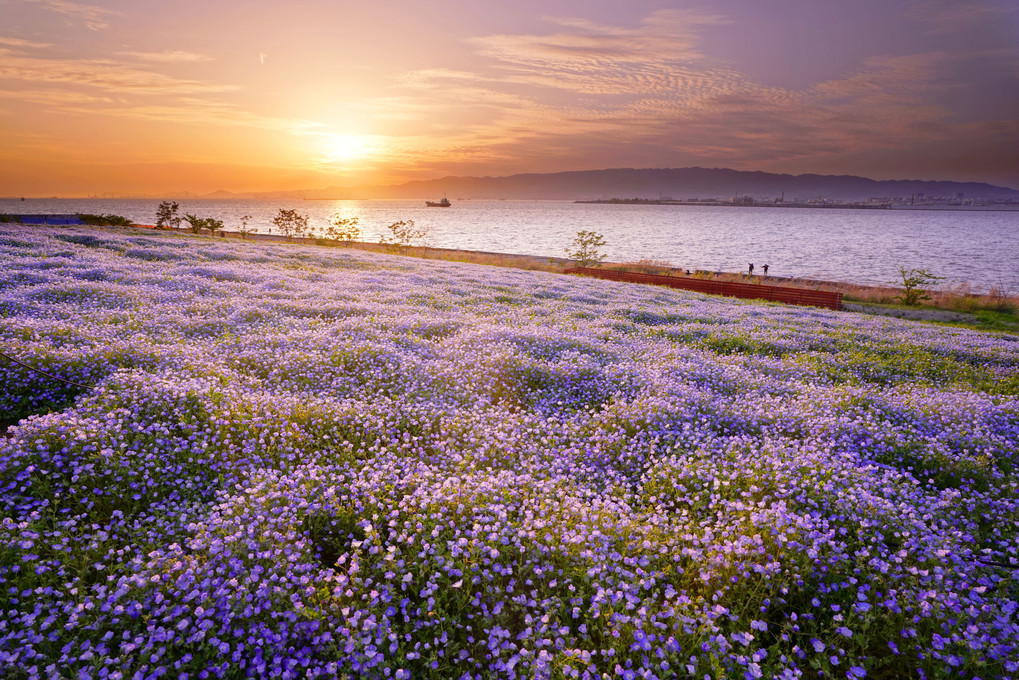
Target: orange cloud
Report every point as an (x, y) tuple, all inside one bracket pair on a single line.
[(101, 73), (95, 18), (168, 56)]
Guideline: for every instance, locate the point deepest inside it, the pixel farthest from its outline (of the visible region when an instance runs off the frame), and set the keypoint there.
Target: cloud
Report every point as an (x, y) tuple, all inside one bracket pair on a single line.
[(597, 59), (101, 73), (18, 42), (168, 56), (438, 78), (942, 17), (54, 97), (603, 95), (108, 88), (95, 18), (203, 112), (181, 109)]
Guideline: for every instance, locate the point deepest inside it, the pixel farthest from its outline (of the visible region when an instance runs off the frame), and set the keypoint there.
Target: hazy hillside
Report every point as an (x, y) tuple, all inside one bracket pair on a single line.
[(678, 183)]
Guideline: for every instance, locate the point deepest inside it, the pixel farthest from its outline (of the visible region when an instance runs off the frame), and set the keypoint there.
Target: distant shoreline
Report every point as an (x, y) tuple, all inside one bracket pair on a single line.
[(810, 206)]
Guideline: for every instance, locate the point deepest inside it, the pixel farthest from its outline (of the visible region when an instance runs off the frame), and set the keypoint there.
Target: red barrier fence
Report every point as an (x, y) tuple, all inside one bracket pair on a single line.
[(749, 291)]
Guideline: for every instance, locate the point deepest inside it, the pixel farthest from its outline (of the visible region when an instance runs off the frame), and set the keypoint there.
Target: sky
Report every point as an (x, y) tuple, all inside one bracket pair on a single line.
[(152, 98)]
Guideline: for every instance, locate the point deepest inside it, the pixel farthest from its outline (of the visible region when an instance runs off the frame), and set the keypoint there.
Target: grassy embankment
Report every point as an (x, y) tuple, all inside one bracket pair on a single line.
[(996, 310)]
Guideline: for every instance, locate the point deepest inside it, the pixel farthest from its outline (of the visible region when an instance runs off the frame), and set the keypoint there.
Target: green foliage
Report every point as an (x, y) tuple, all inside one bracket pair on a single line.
[(166, 215), (12, 219), (912, 280), (343, 229), (244, 230), (195, 223), (586, 251), (109, 220), (213, 225), (291, 223), (403, 234)]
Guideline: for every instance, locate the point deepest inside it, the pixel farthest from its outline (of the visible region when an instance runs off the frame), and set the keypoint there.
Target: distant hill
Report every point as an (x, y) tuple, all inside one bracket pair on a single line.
[(678, 183)]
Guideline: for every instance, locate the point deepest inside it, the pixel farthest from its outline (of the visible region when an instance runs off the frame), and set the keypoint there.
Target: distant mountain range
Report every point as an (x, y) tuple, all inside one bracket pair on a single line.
[(677, 183)]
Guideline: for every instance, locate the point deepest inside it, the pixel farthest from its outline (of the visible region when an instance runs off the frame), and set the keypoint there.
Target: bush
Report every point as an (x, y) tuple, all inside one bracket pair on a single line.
[(343, 229), (109, 220), (244, 230), (195, 223), (649, 266), (912, 280), (166, 215), (213, 225), (291, 223), (403, 234), (586, 249)]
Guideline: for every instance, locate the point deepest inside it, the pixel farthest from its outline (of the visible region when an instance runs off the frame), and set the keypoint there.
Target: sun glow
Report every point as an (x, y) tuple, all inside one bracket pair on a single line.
[(339, 148)]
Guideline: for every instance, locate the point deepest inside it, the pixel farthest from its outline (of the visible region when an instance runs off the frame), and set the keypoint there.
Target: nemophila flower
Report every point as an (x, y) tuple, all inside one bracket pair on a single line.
[(343, 463)]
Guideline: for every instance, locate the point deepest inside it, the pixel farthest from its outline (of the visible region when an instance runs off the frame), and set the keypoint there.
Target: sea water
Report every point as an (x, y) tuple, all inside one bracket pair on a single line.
[(980, 249)]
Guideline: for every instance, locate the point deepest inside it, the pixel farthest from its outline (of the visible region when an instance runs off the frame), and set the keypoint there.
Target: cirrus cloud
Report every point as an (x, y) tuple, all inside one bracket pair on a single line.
[(94, 18)]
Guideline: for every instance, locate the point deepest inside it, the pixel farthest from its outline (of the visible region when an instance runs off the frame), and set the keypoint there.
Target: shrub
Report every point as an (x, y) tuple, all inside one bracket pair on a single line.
[(912, 280), (291, 223), (586, 251), (244, 230), (166, 215), (195, 223), (213, 225), (403, 234), (109, 220), (343, 229), (650, 266)]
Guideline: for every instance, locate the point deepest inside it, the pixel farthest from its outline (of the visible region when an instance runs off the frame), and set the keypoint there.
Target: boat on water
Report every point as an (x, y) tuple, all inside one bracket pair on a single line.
[(444, 203)]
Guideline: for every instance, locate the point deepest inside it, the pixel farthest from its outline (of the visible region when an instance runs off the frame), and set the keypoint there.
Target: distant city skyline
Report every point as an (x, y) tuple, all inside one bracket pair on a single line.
[(265, 96)]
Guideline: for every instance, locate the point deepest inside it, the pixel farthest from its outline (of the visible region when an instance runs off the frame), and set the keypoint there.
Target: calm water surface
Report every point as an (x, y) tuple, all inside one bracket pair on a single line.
[(864, 246)]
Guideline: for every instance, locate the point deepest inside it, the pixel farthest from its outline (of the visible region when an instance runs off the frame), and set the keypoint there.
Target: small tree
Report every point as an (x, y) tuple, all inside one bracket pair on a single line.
[(166, 215), (586, 251), (912, 280), (195, 223), (213, 225), (343, 229), (403, 234), (290, 222), (244, 231)]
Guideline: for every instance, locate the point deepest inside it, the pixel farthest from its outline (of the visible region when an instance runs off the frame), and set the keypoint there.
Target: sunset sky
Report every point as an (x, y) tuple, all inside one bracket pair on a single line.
[(145, 97)]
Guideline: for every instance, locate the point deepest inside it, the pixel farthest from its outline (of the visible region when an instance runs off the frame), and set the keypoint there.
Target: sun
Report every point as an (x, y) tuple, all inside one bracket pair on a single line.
[(338, 148)]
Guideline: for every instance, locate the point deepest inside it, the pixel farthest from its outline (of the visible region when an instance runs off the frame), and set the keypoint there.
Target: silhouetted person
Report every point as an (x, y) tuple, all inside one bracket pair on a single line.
[(765, 269), (750, 268)]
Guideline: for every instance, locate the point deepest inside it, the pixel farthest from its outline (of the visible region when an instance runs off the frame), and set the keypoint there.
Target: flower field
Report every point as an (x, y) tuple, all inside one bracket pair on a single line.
[(289, 461)]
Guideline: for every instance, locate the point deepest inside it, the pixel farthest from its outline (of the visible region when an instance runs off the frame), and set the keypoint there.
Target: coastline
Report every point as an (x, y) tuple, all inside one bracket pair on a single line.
[(860, 298), (957, 306)]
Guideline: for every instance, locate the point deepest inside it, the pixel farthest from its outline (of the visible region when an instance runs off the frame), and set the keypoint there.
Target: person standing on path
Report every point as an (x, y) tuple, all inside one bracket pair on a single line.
[(750, 268), (765, 268)]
